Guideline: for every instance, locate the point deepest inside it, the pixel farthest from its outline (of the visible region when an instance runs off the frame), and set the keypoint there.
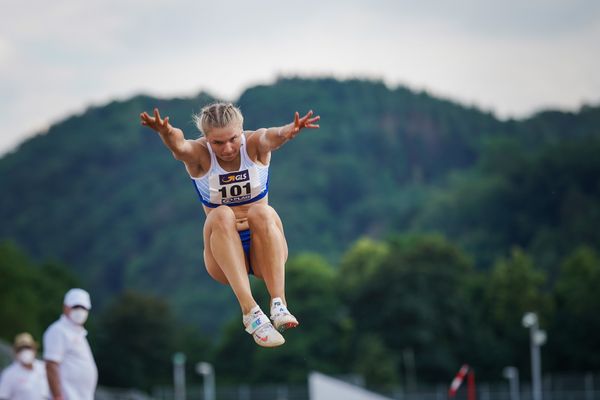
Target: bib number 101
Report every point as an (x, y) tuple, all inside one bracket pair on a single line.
[(234, 190)]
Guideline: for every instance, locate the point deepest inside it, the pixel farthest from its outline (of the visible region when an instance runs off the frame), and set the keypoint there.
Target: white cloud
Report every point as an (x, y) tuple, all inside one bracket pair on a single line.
[(6, 51)]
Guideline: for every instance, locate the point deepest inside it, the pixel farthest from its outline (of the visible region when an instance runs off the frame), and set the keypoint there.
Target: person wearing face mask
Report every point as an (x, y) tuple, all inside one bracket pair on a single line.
[(25, 378), (70, 366)]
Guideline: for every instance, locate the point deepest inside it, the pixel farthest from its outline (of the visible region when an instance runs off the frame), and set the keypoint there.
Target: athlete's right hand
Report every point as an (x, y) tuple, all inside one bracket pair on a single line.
[(161, 126)]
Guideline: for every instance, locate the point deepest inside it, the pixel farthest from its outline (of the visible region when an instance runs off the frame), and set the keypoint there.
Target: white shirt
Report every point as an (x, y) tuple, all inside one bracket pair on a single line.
[(20, 383), (65, 343)]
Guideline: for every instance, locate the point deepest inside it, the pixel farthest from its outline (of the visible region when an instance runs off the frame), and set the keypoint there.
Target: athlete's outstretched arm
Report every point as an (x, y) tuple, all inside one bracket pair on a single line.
[(273, 138), (172, 137)]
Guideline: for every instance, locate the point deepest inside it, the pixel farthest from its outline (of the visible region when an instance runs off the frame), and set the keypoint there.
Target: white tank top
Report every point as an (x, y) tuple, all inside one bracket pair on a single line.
[(219, 187)]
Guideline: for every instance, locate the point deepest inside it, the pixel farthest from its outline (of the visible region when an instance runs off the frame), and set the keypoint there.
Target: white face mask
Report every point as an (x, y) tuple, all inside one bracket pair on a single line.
[(26, 356), (79, 315)]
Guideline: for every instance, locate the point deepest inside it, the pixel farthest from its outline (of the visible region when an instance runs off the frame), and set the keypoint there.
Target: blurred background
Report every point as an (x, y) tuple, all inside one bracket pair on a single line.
[(453, 187)]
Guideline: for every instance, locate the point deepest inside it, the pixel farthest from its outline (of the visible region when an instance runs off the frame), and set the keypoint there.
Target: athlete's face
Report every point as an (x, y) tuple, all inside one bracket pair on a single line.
[(226, 141)]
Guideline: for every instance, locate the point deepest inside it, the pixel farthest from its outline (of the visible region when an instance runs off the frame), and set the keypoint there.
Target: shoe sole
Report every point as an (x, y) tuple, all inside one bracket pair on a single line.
[(269, 345), (286, 326)]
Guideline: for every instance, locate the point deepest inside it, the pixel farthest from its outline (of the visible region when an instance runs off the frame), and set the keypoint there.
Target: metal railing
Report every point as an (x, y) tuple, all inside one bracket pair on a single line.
[(554, 387), (241, 392)]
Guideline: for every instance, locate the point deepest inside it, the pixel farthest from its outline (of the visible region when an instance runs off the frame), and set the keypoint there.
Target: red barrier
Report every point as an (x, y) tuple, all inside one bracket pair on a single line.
[(465, 370)]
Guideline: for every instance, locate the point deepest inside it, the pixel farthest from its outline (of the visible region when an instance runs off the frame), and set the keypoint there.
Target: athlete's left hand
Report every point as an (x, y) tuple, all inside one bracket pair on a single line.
[(308, 121)]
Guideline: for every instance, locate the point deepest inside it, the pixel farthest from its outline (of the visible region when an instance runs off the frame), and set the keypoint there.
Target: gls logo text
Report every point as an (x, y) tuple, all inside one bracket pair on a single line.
[(234, 177)]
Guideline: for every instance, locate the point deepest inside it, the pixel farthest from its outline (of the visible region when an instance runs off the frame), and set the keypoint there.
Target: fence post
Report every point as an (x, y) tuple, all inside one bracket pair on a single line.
[(589, 386)]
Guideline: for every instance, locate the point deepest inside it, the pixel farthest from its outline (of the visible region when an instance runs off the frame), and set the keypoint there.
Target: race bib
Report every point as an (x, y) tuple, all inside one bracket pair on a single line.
[(234, 187)]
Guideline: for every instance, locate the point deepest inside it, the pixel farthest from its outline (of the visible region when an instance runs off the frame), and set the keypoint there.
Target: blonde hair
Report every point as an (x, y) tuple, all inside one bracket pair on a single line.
[(217, 115)]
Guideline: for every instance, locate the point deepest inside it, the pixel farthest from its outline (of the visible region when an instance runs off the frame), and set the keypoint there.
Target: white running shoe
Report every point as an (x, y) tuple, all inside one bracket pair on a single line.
[(281, 317), (258, 325)]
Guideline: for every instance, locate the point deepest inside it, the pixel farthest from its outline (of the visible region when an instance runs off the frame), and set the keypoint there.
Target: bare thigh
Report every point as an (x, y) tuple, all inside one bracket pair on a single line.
[(212, 267), (256, 267)]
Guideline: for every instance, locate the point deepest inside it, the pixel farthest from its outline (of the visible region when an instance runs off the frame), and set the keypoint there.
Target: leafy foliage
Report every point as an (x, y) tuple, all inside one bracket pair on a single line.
[(577, 311), (31, 295), (466, 222), (135, 339), (118, 209), (414, 300), (545, 201)]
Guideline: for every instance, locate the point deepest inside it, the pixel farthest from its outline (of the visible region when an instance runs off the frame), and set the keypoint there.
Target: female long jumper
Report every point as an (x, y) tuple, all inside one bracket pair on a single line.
[(242, 233)]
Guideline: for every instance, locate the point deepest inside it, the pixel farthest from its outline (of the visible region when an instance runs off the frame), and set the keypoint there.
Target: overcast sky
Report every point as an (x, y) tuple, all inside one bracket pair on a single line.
[(512, 57)]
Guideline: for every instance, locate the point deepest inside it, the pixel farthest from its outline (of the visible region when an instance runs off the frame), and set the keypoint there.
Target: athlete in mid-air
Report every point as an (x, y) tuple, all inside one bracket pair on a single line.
[(242, 233)]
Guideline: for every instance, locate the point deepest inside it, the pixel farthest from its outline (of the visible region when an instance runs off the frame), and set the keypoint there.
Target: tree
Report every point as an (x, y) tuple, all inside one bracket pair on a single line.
[(573, 340), (416, 298), (20, 305), (31, 295), (514, 287), (358, 265), (136, 337), (375, 362)]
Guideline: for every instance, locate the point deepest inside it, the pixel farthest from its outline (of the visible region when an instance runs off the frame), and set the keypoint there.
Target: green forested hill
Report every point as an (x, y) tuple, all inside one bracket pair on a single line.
[(100, 193)]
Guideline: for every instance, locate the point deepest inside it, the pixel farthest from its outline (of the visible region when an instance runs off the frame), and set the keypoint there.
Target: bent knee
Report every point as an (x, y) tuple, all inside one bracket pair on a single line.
[(260, 213), (221, 215)]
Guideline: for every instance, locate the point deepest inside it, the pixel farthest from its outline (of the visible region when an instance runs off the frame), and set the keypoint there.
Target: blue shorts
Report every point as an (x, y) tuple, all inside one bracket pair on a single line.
[(245, 238)]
